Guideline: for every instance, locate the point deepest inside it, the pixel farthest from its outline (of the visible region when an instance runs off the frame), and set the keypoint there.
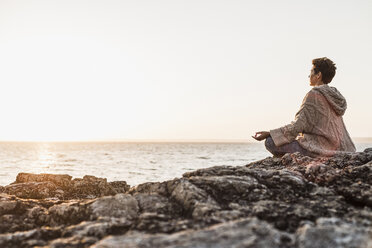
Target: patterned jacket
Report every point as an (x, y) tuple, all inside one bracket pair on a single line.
[(318, 126)]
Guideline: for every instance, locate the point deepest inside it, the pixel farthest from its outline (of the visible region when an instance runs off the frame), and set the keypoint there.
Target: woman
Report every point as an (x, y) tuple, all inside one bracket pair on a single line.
[(318, 128)]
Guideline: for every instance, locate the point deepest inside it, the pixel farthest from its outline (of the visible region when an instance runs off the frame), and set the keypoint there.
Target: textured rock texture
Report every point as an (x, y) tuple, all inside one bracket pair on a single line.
[(41, 186), (293, 201)]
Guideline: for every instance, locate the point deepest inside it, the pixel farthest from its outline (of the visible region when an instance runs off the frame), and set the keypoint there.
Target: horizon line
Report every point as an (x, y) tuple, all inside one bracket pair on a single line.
[(356, 139), (134, 141)]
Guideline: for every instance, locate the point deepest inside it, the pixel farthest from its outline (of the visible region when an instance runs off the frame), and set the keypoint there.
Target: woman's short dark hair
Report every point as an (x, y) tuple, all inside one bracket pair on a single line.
[(326, 67)]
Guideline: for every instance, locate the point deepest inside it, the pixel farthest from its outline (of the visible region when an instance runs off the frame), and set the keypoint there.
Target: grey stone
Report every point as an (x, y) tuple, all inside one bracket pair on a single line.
[(118, 206), (242, 233), (334, 233)]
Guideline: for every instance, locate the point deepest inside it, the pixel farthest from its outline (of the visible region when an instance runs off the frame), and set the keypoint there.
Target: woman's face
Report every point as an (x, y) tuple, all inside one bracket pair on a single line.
[(315, 78)]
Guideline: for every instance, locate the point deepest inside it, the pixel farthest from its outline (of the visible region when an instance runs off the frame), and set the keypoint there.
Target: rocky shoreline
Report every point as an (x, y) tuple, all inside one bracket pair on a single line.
[(293, 201)]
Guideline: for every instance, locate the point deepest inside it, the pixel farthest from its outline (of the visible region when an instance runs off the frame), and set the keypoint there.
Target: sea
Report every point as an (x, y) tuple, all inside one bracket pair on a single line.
[(133, 162)]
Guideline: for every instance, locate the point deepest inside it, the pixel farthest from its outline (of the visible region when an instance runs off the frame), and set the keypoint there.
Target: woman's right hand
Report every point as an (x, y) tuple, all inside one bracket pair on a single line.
[(262, 135)]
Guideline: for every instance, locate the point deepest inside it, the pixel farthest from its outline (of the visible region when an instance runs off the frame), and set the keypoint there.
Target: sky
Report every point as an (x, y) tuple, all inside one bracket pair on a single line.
[(175, 70)]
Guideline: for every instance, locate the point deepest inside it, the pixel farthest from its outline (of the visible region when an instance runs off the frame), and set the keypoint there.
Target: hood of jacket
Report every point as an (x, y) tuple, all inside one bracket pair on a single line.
[(334, 97)]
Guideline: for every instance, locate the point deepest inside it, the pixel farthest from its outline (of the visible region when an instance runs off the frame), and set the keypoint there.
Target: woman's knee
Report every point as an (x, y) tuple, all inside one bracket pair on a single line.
[(272, 148), (269, 143)]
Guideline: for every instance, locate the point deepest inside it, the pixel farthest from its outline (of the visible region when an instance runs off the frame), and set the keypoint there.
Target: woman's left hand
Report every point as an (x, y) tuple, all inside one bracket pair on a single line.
[(262, 135)]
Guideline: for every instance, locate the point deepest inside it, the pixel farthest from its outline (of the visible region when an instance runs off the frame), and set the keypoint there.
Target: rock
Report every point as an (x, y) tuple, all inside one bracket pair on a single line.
[(119, 186), (157, 188), (195, 201), (118, 206), (368, 150), (58, 180), (68, 213), (242, 233), (154, 203), (32, 238), (230, 188), (334, 233), (34, 190), (7, 206), (73, 242), (41, 186), (151, 222), (98, 229), (294, 201)]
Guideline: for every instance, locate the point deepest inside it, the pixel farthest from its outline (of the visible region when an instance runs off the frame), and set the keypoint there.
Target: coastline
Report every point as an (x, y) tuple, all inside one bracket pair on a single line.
[(293, 201)]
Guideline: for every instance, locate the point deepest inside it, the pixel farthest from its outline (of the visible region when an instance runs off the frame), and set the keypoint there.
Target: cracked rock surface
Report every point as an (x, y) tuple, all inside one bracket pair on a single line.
[(293, 201)]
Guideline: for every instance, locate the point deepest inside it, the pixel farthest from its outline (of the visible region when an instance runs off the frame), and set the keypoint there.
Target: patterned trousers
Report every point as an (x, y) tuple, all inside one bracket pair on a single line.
[(279, 151)]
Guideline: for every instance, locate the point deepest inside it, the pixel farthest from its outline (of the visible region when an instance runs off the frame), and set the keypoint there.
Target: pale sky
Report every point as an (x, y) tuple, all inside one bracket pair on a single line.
[(175, 70)]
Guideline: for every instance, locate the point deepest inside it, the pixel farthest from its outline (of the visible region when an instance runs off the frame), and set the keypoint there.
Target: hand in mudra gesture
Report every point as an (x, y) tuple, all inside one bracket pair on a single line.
[(261, 135)]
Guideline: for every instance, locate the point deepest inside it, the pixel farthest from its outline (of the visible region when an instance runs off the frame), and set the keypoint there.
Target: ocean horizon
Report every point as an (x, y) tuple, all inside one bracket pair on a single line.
[(132, 161), (355, 139)]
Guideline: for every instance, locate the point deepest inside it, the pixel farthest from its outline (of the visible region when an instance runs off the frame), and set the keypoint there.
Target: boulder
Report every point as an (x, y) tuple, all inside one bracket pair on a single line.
[(54, 186), (118, 206)]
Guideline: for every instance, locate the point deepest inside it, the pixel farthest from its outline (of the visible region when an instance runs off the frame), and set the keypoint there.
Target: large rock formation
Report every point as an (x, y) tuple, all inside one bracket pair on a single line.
[(293, 201)]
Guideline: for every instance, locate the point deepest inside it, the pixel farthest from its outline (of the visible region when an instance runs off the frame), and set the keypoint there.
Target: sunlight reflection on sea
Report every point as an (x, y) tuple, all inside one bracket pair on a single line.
[(133, 162)]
